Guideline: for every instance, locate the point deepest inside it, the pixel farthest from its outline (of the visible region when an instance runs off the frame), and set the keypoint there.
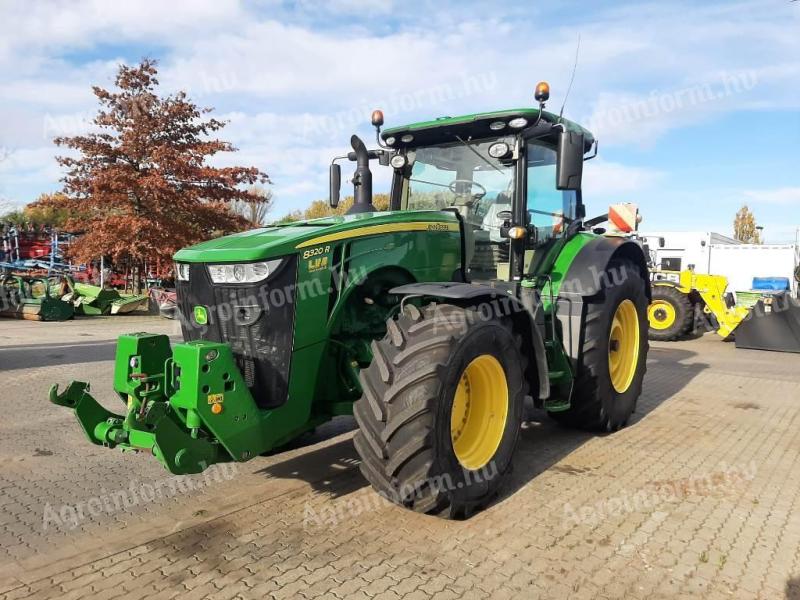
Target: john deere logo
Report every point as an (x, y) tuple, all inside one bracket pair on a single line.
[(200, 315)]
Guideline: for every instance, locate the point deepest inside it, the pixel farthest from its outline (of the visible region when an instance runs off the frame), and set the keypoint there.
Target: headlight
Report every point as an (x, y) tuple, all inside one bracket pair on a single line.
[(182, 271), (243, 273)]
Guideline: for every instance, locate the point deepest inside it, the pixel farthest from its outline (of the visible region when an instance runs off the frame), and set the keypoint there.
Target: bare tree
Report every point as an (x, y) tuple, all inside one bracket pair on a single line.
[(256, 206)]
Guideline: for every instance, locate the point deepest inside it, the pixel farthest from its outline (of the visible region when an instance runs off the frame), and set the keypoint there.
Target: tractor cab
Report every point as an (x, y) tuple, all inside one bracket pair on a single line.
[(512, 177)]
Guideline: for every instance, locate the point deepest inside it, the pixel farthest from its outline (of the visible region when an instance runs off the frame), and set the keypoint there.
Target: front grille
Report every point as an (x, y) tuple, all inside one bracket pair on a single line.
[(256, 320)]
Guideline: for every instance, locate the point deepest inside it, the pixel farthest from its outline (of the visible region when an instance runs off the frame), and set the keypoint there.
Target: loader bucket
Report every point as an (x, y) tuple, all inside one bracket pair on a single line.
[(775, 327)]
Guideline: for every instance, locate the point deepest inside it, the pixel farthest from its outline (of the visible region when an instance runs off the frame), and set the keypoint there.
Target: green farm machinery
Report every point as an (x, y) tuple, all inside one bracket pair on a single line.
[(32, 299), (482, 287)]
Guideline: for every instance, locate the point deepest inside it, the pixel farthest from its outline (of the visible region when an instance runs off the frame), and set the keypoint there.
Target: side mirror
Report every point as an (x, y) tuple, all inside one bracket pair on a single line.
[(569, 165), (662, 242), (335, 184)]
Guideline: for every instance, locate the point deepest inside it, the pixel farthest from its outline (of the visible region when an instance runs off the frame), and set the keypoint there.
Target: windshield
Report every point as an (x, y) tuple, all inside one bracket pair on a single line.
[(460, 175)]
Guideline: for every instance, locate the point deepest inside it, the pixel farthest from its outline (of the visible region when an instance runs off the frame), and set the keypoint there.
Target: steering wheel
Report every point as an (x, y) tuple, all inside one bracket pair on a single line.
[(454, 185)]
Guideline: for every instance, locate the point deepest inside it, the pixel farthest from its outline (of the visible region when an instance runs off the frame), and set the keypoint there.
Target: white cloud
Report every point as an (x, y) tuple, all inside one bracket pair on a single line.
[(604, 178), (349, 7), (52, 25), (784, 195), (295, 84)]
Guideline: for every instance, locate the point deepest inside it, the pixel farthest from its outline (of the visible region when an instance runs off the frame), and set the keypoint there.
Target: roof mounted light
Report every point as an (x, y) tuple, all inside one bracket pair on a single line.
[(542, 93), (390, 140), (518, 123), (407, 138), (497, 125)]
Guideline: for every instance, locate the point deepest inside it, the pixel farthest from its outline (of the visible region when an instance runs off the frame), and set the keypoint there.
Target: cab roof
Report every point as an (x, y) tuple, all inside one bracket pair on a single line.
[(476, 126)]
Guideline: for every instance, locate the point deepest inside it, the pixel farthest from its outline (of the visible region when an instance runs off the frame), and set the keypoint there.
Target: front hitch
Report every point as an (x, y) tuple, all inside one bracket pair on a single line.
[(97, 422), (190, 408)]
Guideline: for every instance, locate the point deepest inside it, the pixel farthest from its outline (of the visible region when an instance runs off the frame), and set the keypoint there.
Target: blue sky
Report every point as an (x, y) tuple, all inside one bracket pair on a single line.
[(696, 105)]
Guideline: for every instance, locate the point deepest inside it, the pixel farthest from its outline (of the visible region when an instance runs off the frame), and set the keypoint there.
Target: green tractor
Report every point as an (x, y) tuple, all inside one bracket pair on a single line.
[(431, 322)]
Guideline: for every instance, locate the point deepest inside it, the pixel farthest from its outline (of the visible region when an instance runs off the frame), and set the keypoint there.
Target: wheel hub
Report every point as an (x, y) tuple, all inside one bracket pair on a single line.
[(479, 412), (623, 346), (661, 315)]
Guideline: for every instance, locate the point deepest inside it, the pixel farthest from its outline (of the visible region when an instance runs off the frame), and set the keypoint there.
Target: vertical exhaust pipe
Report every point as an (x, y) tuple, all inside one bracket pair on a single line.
[(362, 180)]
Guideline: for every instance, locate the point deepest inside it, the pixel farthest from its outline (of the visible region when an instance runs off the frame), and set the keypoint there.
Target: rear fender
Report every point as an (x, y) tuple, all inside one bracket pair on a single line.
[(585, 279), (500, 303), (586, 274)]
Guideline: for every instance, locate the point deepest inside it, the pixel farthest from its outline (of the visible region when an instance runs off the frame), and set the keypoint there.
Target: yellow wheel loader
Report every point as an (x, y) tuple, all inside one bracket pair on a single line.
[(686, 301)]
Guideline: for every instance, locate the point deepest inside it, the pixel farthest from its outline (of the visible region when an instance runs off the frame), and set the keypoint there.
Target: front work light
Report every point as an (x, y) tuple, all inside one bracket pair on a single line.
[(398, 161), (242, 272), (499, 150), (182, 271)]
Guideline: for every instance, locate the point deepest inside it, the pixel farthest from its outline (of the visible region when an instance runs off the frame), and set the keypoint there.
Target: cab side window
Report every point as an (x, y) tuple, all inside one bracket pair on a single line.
[(547, 206)]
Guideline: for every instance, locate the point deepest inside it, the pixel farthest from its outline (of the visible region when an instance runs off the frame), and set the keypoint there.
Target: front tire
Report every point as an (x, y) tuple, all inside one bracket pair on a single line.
[(669, 314), (441, 409), (613, 360)]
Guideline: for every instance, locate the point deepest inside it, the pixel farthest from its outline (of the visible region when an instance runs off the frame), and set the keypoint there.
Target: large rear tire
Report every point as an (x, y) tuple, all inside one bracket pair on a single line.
[(670, 314), (441, 409), (613, 360)]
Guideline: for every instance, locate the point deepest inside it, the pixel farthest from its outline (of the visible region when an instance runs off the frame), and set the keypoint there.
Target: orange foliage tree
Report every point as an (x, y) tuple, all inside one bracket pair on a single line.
[(141, 183)]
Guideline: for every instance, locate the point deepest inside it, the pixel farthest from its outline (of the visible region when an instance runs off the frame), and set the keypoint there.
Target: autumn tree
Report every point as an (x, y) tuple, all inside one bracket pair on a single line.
[(255, 207), (292, 217), (49, 210), (141, 187), (321, 208), (745, 228), (46, 211)]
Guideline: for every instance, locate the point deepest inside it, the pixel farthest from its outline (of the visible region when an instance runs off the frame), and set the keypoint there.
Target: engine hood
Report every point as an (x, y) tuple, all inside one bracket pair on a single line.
[(281, 240)]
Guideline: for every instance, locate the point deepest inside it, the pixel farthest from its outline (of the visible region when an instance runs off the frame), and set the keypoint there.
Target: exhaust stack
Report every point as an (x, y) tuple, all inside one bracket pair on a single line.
[(362, 179)]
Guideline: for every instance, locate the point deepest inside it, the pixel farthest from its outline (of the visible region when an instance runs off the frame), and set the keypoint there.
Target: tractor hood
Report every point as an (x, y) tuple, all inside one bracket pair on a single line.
[(281, 240)]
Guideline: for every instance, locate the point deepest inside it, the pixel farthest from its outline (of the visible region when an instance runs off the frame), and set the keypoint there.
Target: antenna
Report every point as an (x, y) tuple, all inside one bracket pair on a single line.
[(571, 79)]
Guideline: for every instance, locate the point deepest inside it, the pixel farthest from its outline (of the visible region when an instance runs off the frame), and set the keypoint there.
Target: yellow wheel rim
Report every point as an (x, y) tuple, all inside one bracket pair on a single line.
[(479, 413), (623, 346), (661, 315)]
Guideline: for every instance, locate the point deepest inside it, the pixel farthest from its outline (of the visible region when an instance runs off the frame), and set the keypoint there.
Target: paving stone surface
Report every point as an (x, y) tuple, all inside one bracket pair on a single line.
[(698, 497)]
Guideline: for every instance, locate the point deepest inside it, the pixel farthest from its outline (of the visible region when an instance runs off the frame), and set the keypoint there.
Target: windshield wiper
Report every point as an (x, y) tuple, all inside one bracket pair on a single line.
[(551, 214), (444, 185)]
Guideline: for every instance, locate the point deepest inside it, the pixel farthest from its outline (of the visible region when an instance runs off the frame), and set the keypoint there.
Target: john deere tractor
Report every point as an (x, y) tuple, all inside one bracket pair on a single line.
[(431, 322)]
